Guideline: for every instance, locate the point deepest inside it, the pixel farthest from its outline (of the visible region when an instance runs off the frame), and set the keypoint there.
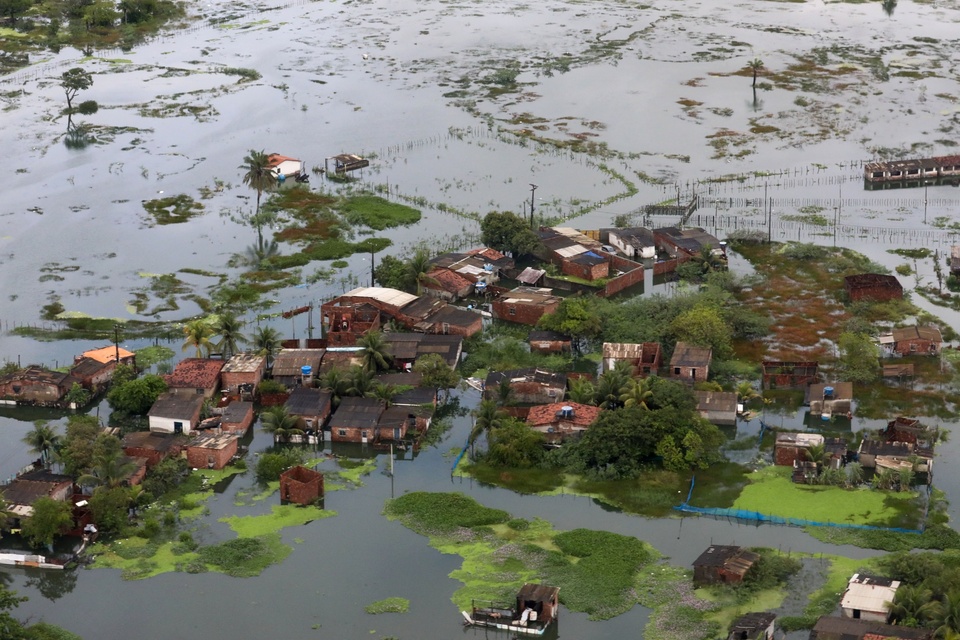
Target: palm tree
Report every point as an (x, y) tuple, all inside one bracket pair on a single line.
[(746, 392), (815, 453), (198, 334), (854, 474), (886, 479), (111, 469), (755, 65), (906, 478), (337, 383), (418, 266), (255, 254), (610, 383), (504, 394), (487, 416), (636, 393), (266, 340), (582, 391), (228, 329), (384, 392), (913, 606), (360, 381), (374, 354), (43, 439), (259, 176), (947, 615), (277, 421)]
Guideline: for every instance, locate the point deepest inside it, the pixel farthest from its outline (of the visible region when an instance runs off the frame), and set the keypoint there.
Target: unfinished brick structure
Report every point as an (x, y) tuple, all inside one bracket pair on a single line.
[(301, 485)]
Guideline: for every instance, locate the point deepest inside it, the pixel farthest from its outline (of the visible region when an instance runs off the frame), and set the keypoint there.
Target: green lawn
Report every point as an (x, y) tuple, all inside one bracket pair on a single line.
[(770, 491)]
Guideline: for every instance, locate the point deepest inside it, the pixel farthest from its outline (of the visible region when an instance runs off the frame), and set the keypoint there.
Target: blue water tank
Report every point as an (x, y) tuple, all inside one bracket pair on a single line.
[(306, 370), (828, 392)]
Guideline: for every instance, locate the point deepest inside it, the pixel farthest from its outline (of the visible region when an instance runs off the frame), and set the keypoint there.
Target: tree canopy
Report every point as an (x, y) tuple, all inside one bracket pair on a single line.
[(137, 396), (576, 317), (436, 372), (506, 231), (50, 518)]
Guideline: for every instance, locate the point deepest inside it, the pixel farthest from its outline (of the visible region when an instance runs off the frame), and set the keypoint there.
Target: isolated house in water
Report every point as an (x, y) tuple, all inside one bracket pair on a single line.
[(778, 374), (914, 340), (827, 400), (301, 485)]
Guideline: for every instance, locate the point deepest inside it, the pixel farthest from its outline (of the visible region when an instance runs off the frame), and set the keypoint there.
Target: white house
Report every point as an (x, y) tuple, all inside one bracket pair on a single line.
[(868, 597), (634, 243), (173, 413)]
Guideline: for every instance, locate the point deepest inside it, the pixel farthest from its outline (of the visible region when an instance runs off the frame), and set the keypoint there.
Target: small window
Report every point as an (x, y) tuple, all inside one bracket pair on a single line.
[(513, 311), (676, 371), (199, 392), (341, 432), (363, 434)]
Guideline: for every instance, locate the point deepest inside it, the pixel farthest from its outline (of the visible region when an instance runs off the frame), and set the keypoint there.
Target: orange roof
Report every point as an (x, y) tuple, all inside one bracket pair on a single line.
[(583, 414), (107, 354), (448, 280), (487, 252), (197, 373), (274, 159)]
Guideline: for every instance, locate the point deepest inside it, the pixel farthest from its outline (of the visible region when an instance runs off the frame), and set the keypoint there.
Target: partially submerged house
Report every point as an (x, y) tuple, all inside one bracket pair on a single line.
[(292, 367), (175, 413), (955, 260), (717, 407), (880, 455), (154, 447), (344, 163), (868, 597), (242, 373), (688, 242), (828, 400), (722, 564), (636, 243), (549, 342), (237, 417), (836, 628), (561, 422), (872, 286), (690, 363), (903, 429), (355, 420), (23, 491), (93, 375), (779, 374), (212, 450), (576, 254), (527, 386), (753, 626), (913, 340), (405, 348), (644, 358), (301, 485), (525, 305), (446, 284), (198, 376), (313, 406), (35, 385), (284, 167), (790, 448)]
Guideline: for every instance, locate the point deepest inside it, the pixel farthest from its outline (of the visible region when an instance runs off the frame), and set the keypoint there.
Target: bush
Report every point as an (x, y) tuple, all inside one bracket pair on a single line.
[(150, 528), (271, 465), (268, 387), (88, 107), (439, 513), (519, 524)]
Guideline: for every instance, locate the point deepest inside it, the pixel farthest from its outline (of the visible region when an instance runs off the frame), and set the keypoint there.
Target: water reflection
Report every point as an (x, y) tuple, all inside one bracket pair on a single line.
[(52, 585), (889, 6)]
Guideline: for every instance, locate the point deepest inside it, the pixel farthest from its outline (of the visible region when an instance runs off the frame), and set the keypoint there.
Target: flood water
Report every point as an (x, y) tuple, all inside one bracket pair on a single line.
[(660, 92)]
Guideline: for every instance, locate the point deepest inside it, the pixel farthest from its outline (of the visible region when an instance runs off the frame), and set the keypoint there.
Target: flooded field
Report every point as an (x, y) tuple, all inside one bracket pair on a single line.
[(606, 106)]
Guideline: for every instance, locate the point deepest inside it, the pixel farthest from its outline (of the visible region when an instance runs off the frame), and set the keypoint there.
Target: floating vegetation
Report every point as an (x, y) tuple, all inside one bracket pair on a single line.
[(280, 517), (377, 213), (172, 209), (388, 605)]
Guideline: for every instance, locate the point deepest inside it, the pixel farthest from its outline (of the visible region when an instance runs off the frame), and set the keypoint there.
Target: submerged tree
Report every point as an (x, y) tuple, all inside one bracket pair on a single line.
[(197, 334), (73, 82), (229, 329), (755, 65), (259, 176), (280, 423)]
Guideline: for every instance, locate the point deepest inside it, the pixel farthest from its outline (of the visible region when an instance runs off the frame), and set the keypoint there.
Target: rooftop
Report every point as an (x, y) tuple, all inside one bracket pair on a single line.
[(357, 413), (108, 354), (915, 332), (29, 487), (531, 296), (716, 400), (383, 295), (688, 355), (195, 373), (289, 361), (244, 363), (450, 281), (214, 441), (836, 628), (151, 441), (236, 411), (304, 401), (178, 407), (719, 555), (541, 376), (545, 414)]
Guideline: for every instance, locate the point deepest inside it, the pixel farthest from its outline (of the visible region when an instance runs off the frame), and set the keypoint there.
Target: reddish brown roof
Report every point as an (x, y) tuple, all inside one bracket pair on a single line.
[(447, 280), (583, 414), (487, 252), (195, 373)]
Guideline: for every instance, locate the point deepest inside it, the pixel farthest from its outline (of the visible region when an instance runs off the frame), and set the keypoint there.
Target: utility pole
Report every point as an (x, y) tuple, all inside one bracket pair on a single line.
[(372, 254), (769, 215), (116, 342), (836, 219), (533, 190), (925, 203)]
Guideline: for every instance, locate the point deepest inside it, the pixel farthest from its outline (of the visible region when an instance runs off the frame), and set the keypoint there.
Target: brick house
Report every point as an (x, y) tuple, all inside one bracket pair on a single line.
[(394, 425), (527, 386), (753, 626), (838, 628), (790, 448), (313, 406), (550, 342), (560, 422), (902, 429), (21, 493), (635, 243), (36, 385), (212, 450), (778, 374), (424, 313), (237, 417), (645, 358), (175, 413), (525, 305), (199, 376), (446, 284), (717, 407), (301, 485), (872, 286), (722, 564), (586, 266), (93, 375), (154, 447), (405, 348), (916, 340), (289, 363), (242, 373), (355, 420), (690, 363)]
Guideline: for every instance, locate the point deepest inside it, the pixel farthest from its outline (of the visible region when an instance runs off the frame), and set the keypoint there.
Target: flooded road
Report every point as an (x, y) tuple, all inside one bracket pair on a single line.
[(606, 106)]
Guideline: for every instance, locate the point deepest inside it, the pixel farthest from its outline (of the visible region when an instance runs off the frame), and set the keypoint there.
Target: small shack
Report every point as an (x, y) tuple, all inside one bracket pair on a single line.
[(345, 163), (550, 342), (868, 597), (212, 450), (778, 374), (27, 488), (525, 305), (301, 485), (155, 447), (690, 363), (916, 340), (753, 626), (828, 400), (717, 407), (644, 358), (722, 564), (791, 448), (173, 413)]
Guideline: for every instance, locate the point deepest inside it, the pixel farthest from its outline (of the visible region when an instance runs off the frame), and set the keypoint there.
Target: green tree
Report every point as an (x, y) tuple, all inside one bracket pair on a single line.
[(704, 326), (229, 328), (109, 507), (76, 452), (611, 383), (393, 274), (43, 439), (486, 417), (417, 268), (259, 176), (110, 468), (437, 373), (854, 474), (137, 396), (374, 351), (10, 627), (337, 383), (670, 455), (50, 518), (14, 8), (746, 392), (912, 606), (515, 445), (755, 65), (77, 395), (508, 232), (197, 335), (73, 82), (278, 422), (266, 342), (384, 392), (582, 391), (123, 373), (859, 357), (100, 14), (947, 615), (636, 393), (576, 317)]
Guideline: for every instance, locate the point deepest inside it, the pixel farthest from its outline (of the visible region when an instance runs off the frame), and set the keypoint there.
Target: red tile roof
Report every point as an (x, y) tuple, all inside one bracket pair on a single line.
[(583, 414), (447, 280), (487, 252), (274, 159), (195, 373)]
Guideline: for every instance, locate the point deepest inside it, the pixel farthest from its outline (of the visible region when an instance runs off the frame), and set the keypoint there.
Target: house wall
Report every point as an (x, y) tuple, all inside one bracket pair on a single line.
[(316, 420), (240, 427), (918, 347), (456, 330), (231, 379), (167, 425), (878, 293), (550, 346), (587, 272), (195, 391), (863, 614), (200, 458), (35, 392), (689, 374), (301, 492), (100, 379), (152, 455), (621, 282), (720, 417), (668, 266), (527, 314), (785, 455), (351, 434)]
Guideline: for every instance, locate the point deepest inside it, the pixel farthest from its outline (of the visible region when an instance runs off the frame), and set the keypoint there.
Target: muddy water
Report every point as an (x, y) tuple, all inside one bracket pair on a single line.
[(404, 82)]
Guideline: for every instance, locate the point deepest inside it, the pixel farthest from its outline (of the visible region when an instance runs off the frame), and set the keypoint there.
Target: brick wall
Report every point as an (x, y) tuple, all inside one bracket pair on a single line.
[(199, 458), (667, 266), (301, 485), (618, 284), (523, 313)]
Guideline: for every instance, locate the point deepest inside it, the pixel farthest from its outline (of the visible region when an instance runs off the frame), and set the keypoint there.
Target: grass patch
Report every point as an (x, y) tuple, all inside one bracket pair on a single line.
[(442, 513), (388, 605), (377, 213), (173, 210), (244, 557), (771, 491), (280, 517)]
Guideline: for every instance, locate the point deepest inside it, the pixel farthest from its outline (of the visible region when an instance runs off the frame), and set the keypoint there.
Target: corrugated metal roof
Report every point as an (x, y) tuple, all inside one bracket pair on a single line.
[(384, 295), (867, 595)]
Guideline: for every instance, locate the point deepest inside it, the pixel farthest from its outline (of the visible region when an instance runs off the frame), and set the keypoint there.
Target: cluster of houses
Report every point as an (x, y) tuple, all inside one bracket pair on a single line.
[(864, 604)]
